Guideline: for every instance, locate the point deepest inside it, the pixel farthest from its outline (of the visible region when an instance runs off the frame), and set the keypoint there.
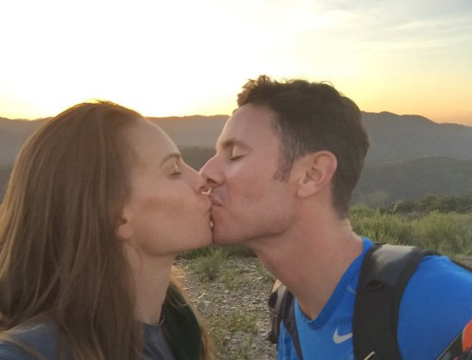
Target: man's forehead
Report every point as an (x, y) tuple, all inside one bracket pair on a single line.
[(237, 131), (249, 118)]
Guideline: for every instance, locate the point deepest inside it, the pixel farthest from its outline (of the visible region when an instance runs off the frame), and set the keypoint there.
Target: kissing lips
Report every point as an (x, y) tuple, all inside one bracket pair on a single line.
[(214, 200)]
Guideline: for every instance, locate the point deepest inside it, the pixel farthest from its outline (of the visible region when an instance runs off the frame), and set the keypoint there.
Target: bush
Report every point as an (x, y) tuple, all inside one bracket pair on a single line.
[(197, 253), (229, 251), (381, 227), (449, 234), (208, 267)]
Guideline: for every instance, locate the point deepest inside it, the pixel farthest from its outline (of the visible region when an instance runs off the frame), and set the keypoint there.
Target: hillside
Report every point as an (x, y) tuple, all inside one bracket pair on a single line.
[(410, 156), (394, 137), (4, 177), (12, 136), (190, 131), (196, 157), (200, 131), (388, 183)]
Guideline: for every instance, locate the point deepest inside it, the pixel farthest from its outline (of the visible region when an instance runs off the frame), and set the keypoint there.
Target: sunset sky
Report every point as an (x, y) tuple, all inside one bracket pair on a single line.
[(190, 57)]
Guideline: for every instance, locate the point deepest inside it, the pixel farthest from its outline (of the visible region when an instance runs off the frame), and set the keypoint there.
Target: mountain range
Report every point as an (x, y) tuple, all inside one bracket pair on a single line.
[(410, 156)]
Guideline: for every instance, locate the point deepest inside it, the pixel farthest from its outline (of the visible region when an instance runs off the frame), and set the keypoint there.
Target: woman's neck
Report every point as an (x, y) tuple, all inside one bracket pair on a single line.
[(151, 276)]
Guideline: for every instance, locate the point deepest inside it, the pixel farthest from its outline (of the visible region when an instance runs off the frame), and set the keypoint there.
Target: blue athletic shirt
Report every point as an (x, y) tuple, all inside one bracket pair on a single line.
[(436, 305)]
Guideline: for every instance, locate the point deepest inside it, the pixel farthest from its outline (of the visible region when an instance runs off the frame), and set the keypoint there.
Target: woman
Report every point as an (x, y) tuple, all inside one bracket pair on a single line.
[(99, 204)]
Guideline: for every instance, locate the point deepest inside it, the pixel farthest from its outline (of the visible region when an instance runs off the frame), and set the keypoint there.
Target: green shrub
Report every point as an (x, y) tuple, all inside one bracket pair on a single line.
[(224, 327), (233, 278), (242, 321), (243, 352), (196, 253), (381, 227), (239, 251), (447, 233), (209, 266), (230, 251)]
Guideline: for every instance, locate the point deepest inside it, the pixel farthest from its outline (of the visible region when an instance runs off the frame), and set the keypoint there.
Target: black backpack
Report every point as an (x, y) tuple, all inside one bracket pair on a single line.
[(384, 274)]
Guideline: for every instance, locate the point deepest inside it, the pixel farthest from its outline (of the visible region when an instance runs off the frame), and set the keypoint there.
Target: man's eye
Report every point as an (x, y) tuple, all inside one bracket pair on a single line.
[(235, 157)]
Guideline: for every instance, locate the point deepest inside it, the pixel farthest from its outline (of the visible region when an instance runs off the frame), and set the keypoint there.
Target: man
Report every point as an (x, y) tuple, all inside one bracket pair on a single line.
[(286, 164)]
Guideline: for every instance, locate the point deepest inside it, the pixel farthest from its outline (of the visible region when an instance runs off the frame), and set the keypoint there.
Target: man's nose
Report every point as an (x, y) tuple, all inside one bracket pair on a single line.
[(212, 172)]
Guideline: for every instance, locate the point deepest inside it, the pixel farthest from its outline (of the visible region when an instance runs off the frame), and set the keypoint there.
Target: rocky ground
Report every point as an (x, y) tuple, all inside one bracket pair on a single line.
[(234, 305)]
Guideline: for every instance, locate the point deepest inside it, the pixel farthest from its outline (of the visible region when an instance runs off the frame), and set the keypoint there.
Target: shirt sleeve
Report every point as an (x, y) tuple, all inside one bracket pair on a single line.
[(436, 305)]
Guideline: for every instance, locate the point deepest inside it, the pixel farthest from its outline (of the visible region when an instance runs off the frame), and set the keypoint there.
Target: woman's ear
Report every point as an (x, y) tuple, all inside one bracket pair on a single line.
[(315, 172), (124, 229)]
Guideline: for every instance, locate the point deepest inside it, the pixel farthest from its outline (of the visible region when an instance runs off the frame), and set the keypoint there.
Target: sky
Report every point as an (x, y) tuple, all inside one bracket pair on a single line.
[(186, 57)]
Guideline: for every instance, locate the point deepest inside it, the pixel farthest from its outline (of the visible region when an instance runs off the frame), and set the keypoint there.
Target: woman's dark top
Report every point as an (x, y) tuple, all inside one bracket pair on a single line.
[(43, 337), (181, 340)]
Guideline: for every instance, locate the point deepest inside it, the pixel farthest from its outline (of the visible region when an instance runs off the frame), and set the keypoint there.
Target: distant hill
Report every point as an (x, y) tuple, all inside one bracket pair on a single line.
[(387, 183), (410, 156), (199, 131), (407, 137), (196, 157), (4, 177), (12, 136), (393, 137), (189, 131)]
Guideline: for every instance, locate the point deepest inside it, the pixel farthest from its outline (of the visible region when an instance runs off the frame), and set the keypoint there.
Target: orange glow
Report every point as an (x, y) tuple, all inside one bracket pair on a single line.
[(183, 58)]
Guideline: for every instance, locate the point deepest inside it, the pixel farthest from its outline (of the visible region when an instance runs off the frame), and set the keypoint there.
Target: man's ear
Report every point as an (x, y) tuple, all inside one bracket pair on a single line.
[(315, 172), (124, 229)]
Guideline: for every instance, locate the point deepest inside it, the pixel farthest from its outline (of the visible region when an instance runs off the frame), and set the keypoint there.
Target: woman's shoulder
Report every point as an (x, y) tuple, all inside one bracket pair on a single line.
[(9, 351), (40, 338)]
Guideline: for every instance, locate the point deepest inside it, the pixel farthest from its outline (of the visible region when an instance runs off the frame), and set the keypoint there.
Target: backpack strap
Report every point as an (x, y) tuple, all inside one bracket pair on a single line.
[(281, 306), (384, 275)]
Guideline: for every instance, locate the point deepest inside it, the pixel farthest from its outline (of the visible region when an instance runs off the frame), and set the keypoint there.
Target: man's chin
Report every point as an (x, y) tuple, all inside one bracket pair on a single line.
[(222, 239)]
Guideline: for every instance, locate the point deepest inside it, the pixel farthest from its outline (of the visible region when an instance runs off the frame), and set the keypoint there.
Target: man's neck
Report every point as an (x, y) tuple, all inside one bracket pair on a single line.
[(311, 261)]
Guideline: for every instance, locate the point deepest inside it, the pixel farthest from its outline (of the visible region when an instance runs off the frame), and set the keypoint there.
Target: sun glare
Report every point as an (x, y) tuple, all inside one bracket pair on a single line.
[(185, 57)]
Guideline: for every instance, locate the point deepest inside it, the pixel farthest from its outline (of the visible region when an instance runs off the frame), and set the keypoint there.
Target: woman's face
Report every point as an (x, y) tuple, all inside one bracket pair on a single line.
[(167, 211)]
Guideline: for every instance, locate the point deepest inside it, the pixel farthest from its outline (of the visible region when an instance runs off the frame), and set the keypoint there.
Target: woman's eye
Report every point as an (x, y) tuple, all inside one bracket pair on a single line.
[(176, 171)]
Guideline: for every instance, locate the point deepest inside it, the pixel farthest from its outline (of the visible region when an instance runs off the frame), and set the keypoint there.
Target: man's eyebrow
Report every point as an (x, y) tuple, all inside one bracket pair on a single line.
[(230, 143), (170, 156)]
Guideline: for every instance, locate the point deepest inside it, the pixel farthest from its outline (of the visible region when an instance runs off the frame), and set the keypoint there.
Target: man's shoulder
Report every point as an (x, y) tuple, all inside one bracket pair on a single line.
[(441, 271), (439, 283), (436, 305)]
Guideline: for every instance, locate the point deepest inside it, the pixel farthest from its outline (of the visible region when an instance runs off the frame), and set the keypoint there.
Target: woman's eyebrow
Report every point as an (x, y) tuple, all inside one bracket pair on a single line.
[(177, 156)]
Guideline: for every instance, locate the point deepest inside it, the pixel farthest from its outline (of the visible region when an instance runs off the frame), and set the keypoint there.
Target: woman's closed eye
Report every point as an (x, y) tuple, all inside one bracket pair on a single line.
[(176, 171)]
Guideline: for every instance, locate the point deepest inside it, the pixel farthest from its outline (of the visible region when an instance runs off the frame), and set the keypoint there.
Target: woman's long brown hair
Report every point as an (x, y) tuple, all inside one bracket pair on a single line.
[(59, 256)]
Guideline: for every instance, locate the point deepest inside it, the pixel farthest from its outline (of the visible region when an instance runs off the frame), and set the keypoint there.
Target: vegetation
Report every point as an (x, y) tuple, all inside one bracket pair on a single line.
[(441, 204), (448, 233), (385, 184)]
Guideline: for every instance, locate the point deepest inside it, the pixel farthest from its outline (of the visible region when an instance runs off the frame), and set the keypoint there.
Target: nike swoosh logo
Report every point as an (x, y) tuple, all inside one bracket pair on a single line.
[(338, 339)]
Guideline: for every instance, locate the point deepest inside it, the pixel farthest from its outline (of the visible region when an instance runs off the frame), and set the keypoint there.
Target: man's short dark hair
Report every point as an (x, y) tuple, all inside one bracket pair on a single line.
[(313, 117)]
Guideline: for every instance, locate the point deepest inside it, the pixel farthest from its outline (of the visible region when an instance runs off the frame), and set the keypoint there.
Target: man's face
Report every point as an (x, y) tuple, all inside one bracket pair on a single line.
[(248, 203)]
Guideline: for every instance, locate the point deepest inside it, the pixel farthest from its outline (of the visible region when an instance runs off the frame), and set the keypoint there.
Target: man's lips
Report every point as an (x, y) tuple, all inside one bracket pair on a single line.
[(215, 201)]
